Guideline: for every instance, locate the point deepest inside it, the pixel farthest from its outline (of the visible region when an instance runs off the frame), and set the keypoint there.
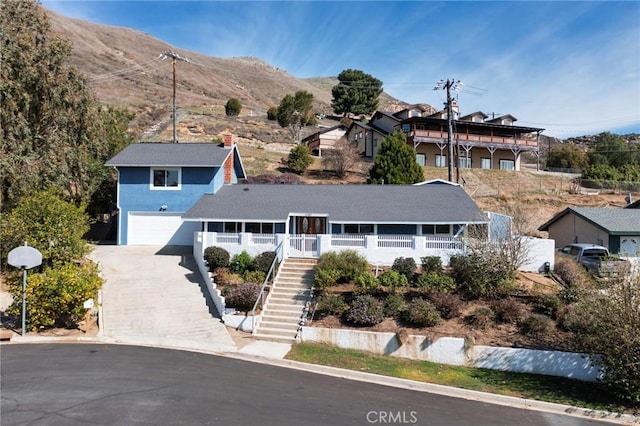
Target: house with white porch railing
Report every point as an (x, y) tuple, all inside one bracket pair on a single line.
[(381, 222)]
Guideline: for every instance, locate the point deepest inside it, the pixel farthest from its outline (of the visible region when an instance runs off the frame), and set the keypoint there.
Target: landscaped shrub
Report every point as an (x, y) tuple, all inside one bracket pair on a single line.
[(393, 280), (405, 266), (477, 276), (325, 277), (254, 277), (572, 273), (240, 262), (421, 313), (548, 305), (339, 267), (449, 305), (55, 297), (480, 318), (394, 304), (570, 318), (431, 264), (352, 264), (535, 325), (366, 283), (508, 311), (569, 295), (223, 277), (331, 304), (436, 281), (243, 297), (263, 261), (216, 257), (365, 310)]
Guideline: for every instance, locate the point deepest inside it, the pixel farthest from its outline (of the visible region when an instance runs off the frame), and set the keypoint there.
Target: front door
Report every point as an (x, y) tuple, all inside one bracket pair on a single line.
[(304, 240)]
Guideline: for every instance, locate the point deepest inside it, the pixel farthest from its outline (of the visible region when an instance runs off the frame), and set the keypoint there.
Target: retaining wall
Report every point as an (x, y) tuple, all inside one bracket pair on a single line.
[(458, 351)]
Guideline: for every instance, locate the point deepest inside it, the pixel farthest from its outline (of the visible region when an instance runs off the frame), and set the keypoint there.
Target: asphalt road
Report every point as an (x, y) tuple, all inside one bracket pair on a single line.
[(89, 384)]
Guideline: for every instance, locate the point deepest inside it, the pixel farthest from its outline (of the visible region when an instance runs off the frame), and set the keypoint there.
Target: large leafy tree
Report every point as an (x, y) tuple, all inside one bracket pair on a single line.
[(613, 150), (53, 226), (395, 162), (357, 93), (568, 156), (295, 112), (54, 133)]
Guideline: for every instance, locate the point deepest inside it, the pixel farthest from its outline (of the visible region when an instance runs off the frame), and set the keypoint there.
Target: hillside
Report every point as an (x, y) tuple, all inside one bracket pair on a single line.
[(124, 68)]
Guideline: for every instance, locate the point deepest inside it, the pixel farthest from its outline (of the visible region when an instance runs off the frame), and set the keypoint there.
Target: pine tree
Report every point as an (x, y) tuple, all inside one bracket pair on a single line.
[(357, 93)]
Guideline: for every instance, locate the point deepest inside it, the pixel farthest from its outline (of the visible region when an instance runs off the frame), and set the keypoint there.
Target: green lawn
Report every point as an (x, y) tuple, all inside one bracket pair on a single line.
[(539, 387)]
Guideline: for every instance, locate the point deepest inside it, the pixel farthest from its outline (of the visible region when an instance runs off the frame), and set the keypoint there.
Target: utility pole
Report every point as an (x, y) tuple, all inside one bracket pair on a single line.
[(174, 57), (448, 85)]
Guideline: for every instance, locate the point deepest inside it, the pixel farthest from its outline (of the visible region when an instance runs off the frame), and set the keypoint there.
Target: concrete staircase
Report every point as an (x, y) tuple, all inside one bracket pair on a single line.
[(284, 307)]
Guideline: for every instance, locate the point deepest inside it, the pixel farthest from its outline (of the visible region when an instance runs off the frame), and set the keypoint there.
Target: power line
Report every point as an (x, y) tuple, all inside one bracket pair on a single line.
[(174, 57)]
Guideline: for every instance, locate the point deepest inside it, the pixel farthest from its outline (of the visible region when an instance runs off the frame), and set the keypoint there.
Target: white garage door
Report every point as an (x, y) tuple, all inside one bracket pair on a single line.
[(147, 228)]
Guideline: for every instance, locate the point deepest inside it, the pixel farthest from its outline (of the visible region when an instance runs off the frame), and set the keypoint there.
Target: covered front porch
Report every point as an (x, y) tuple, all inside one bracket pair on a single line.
[(378, 249)]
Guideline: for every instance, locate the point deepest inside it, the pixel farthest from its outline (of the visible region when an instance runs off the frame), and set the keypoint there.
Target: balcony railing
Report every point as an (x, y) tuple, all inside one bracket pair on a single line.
[(436, 135)]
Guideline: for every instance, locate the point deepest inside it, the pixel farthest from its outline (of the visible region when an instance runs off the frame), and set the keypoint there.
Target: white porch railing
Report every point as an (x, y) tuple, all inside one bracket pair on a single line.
[(377, 249), (395, 241)]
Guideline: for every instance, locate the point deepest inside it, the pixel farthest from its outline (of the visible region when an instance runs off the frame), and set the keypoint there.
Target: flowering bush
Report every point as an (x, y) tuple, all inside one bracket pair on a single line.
[(243, 297), (365, 310)]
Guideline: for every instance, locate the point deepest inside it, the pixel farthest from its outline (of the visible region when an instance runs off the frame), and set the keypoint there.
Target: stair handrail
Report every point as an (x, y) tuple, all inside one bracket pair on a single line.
[(264, 285)]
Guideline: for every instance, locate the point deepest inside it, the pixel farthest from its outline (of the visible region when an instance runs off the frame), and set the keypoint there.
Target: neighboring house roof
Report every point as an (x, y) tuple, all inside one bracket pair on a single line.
[(469, 117), (499, 119), (317, 134), (437, 182), (634, 205), (171, 154), (613, 221), (343, 203)]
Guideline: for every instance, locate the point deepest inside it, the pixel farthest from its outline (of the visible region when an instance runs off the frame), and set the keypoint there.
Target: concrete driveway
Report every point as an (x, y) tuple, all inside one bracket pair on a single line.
[(156, 296)]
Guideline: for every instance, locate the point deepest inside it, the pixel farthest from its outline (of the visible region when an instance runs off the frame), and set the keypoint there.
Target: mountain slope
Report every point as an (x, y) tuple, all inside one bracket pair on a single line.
[(124, 68)]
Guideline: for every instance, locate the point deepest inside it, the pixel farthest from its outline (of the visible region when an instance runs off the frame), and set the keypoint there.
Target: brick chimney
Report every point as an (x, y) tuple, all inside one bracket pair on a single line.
[(228, 140), (228, 163)]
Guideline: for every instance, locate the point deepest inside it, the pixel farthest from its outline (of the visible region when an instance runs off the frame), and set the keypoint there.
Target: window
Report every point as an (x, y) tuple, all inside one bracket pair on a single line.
[(436, 229), (485, 163), (258, 228), (232, 227), (441, 160), (465, 162), (165, 178), (406, 128), (507, 165), (421, 159), (358, 228)]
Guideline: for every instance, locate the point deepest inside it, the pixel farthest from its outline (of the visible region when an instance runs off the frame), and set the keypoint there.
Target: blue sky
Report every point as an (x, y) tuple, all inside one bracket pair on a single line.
[(572, 67)]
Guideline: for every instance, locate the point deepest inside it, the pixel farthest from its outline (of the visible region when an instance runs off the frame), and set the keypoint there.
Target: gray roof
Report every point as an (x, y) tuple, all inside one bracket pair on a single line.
[(615, 221), (171, 154), (342, 203)]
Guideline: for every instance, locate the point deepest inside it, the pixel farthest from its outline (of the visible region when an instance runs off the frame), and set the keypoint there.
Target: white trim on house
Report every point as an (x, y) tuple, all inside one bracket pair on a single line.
[(154, 187)]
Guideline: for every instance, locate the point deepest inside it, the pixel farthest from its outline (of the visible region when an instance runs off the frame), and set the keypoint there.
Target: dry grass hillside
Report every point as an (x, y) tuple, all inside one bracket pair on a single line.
[(123, 68)]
